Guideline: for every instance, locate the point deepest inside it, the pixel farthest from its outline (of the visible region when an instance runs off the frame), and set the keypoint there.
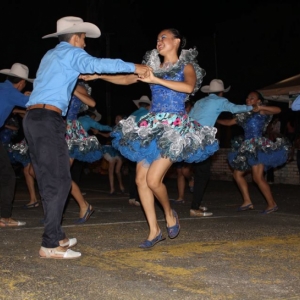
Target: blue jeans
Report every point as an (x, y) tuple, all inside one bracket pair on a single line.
[(45, 134)]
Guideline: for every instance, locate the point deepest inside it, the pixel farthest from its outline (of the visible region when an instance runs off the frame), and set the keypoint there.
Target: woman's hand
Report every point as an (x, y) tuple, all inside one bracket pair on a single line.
[(150, 79), (88, 77)]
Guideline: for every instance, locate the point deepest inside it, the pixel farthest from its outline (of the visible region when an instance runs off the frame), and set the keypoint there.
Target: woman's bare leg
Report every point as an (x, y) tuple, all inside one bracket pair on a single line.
[(147, 200), (243, 186), (30, 182), (188, 174), (258, 177), (119, 163), (77, 195), (111, 169), (180, 184), (155, 176)]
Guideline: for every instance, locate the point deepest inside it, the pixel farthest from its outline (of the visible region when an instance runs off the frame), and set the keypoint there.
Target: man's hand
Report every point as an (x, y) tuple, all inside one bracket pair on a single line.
[(142, 71)]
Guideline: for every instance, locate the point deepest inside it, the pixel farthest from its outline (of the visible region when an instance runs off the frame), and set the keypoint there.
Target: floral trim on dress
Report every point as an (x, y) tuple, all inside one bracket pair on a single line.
[(81, 146), (173, 136), (258, 149)]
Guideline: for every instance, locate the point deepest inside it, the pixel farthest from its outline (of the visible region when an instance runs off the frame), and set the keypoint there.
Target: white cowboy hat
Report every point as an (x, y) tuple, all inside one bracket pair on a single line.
[(216, 85), (95, 112), (143, 99), (98, 116), (74, 25), (18, 70)]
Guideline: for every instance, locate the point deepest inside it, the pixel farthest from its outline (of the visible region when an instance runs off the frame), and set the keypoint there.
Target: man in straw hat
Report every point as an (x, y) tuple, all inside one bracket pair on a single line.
[(44, 127), (10, 96), (206, 111)]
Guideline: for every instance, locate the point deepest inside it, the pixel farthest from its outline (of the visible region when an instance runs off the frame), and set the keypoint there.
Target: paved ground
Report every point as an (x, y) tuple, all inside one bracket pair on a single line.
[(231, 255)]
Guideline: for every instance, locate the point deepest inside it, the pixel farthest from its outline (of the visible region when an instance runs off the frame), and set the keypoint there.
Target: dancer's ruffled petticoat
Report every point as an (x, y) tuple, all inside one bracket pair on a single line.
[(108, 149), (173, 136), (18, 153), (82, 146), (246, 153)]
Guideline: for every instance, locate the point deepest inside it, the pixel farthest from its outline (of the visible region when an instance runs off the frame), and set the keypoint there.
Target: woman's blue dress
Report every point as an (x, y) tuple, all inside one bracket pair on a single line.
[(81, 145), (17, 152), (254, 148), (167, 130)]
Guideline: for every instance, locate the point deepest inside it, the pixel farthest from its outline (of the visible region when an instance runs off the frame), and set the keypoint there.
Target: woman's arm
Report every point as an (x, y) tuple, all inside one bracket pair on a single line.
[(104, 134), (19, 111), (269, 110), (227, 122), (186, 86), (11, 127), (116, 79), (81, 93)]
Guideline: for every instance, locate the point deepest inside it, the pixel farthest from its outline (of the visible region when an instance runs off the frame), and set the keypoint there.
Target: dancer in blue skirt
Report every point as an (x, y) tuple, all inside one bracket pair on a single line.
[(166, 134), (256, 152)]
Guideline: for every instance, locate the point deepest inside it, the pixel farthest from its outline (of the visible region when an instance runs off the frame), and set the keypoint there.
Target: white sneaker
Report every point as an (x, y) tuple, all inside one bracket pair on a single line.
[(203, 208), (199, 213), (134, 202), (57, 253)]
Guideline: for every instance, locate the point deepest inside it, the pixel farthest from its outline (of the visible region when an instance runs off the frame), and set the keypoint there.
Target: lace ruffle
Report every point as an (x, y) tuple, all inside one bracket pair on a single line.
[(151, 58), (82, 146), (172, 136), (246, 153)]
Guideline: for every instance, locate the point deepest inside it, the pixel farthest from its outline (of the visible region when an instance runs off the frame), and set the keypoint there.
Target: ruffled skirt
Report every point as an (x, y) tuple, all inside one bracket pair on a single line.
[(18, 153), (246, 153), (82, 146), (174, 136)]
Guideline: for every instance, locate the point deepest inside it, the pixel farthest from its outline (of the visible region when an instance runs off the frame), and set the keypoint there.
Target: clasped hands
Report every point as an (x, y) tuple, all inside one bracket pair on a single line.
[(142, 71)]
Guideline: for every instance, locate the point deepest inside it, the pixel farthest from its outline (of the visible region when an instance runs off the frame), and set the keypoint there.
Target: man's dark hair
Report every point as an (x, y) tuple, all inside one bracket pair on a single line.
[(66, 37), (143, 104), (14, 79)]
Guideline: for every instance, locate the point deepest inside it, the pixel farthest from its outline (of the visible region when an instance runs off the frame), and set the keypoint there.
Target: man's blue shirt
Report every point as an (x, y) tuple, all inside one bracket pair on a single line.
[(139, 113), (87, 123), (296, 104), (59, 70), (9, 98), (207, 110)]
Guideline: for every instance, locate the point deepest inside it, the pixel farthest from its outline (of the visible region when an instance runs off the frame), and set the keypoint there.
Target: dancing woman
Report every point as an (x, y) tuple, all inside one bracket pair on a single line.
[(166, 134), (18, 153), (255, 152), (82, 146)]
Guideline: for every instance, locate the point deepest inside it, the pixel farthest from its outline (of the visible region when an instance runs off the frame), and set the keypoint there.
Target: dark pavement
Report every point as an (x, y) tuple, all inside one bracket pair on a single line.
[(231, 255)]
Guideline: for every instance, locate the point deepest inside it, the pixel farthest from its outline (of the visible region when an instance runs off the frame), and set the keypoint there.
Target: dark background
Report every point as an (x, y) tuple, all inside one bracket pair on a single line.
[(247, 44)]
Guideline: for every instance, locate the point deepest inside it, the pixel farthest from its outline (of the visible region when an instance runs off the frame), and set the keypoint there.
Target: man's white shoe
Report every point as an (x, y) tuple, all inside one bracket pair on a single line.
[(58, 253), (199, 213), (203, 208), (134, 202), (70, 243)]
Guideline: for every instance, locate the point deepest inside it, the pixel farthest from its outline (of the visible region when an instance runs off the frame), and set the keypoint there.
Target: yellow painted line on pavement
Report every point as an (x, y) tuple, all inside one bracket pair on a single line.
[(187, 266)]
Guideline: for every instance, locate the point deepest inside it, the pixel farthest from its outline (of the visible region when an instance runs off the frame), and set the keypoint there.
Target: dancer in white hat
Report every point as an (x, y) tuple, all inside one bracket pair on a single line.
[(44, 127), (10, 96)]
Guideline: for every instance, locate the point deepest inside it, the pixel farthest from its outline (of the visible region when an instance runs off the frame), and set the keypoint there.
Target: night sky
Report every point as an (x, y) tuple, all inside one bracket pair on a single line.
[(247, 44)]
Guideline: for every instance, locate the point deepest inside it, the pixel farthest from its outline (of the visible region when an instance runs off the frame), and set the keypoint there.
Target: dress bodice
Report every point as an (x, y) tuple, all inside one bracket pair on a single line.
[(166, 100), (254, 124), (74, 108)]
